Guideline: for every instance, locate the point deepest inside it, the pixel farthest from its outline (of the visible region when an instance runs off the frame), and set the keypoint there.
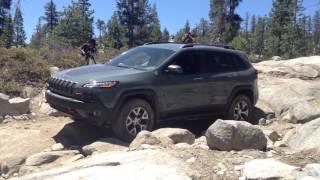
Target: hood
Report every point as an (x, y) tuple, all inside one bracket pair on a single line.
[(98, 72)]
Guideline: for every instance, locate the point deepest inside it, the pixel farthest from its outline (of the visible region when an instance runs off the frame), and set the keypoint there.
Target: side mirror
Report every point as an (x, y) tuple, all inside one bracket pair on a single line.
[(175, 69)]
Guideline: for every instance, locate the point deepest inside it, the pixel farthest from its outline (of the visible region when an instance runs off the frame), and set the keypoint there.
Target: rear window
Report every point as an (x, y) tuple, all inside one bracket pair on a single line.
[(224, 62)]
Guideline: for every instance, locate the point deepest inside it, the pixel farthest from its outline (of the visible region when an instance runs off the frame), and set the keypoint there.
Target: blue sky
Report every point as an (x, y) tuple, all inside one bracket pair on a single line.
[(172, 13)]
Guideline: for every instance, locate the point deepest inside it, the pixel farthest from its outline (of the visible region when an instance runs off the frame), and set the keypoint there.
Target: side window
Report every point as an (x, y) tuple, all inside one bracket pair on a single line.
[(223, 62), (192, 62)]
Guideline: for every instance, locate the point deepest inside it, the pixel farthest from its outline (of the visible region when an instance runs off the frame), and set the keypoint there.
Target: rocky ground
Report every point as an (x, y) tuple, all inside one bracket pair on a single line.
[(284, 144)]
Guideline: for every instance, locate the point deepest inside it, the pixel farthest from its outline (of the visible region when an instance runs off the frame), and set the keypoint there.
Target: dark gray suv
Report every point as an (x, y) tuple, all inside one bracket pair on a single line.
[(158, 82)]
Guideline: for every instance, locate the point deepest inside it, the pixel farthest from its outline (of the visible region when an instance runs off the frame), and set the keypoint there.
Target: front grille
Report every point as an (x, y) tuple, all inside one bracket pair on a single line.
[(61, 86)]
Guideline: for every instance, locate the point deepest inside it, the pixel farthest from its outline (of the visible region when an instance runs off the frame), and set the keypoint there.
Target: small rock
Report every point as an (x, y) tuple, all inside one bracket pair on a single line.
[(191, 160), (47, 157), (41, 158), (28, 92), (182, 146), (104, 145), (53, 70), (144, 137), (176, 135), (262, 122), (57, 147), (268, 169), (237, 168), (272, 135)]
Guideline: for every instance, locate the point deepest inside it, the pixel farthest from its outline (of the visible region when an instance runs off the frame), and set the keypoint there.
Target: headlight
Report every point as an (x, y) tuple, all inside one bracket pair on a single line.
[(108, 84)]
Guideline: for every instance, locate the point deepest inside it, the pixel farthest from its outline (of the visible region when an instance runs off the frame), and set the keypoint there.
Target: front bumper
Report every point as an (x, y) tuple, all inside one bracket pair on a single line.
[(95, 113)]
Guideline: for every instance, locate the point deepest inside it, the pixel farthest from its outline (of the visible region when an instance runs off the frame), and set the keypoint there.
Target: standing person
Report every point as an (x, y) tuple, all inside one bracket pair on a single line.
[(89, 50), (188, 38)]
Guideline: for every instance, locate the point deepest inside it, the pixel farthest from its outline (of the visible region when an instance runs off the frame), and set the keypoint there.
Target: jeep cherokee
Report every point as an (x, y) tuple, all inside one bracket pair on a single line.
[(158, 82)]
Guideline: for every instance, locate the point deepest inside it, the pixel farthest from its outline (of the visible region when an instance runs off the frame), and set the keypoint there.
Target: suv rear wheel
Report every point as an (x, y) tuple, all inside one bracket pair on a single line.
[(240, 109), (135, 115)]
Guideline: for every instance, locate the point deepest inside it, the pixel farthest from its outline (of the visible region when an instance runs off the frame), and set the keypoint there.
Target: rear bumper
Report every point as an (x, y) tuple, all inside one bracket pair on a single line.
[(95, 113)]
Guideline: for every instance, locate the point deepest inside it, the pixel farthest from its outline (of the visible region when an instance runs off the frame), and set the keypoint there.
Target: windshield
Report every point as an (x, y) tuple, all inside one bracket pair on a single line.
[(141, 58)]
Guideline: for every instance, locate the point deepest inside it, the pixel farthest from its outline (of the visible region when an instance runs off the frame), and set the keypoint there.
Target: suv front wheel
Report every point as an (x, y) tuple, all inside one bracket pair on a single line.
[(135, 115), (240, 109)]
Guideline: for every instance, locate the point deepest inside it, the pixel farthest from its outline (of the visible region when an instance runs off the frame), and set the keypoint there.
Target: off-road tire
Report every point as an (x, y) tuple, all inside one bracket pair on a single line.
[(119, 127)]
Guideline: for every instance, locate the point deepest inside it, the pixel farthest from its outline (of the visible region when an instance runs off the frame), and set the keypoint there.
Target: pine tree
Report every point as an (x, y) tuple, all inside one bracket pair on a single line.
[(246, 26), (165, 35), (19, 33), (253, 24), (284, 14), (51, 16), (76, 24), (4, 13), (259, 36), (116, 35), (132, 16), (202, 31), (227, 21), (101, 26), (154, 24), (179, 35), (316, 32), (39, 36), (6, 39)]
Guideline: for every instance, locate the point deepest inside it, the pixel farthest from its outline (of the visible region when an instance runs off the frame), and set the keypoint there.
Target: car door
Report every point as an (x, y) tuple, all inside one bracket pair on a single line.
[(222, 78), (184, 94)]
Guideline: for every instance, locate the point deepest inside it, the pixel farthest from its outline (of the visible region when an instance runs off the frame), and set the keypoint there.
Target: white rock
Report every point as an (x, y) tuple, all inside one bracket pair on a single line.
[(47, 157), (227, 135), (104, 145), (264, 169), (182, 146), (53, 70), (306, 137), (41, 158), (177, 135), (57, 147), (312, 170), (191, 160), (143, 165), (74, 159)]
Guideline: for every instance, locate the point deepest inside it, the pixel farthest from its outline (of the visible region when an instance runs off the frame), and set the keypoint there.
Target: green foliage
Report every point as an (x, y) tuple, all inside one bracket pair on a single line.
[(202, 31), (6, 39), (239, 43), (116, 34), (19, 33), (155, 28), (165, 35), (139, 20), (38, 38), (75, 26), (179, 35), (19, 67), (4, 13), (101, 26)]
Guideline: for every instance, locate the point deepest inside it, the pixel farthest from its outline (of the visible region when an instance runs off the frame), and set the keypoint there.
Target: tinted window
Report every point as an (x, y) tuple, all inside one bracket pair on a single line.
[(223, 62), (142, 58), (192, 62)]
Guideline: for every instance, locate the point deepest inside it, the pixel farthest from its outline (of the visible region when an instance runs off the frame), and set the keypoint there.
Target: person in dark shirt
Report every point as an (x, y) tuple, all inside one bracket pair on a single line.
[(89, 50), (188, 38)]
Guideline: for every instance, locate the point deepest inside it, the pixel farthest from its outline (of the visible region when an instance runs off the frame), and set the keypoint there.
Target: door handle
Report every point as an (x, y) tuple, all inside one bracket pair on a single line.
[(198, 79)]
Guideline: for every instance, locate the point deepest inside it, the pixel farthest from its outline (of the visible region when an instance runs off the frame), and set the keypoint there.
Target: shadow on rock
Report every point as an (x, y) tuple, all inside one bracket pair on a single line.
[(80, 134)]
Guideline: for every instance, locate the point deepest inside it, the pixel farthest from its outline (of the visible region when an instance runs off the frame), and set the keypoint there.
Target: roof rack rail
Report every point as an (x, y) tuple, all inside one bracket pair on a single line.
[(161, 42), (214, 45)]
